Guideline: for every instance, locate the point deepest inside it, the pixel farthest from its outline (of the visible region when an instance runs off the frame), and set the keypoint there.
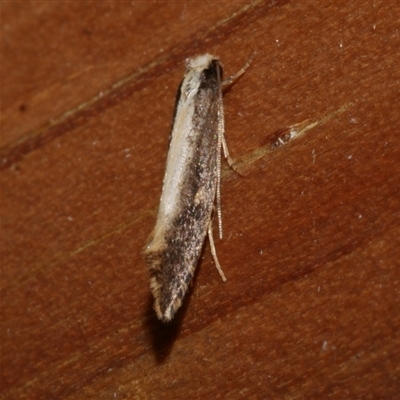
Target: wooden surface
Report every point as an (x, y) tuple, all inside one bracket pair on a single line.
[(311, 248)]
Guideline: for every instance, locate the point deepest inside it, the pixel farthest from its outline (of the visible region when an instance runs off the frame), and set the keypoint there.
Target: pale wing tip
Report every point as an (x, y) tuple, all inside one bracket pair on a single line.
[(167, 302), (168, 314), (164, 317)]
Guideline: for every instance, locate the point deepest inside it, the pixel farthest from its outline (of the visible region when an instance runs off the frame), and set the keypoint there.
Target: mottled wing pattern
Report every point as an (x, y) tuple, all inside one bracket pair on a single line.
[(173, 264)]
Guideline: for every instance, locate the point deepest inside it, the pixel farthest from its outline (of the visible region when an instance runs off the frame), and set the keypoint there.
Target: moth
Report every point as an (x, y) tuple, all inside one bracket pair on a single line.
[(191, 185)]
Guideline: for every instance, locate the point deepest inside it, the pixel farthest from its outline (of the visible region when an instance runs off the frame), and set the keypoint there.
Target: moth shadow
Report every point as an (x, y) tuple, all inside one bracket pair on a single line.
[(163, 335)]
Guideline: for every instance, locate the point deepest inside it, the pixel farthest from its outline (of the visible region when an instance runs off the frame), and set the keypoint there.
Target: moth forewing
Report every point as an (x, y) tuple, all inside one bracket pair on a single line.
[(190, 187)]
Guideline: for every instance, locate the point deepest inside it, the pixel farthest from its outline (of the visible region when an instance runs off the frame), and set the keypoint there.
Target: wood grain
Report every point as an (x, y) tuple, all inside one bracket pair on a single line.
[(311, 248)]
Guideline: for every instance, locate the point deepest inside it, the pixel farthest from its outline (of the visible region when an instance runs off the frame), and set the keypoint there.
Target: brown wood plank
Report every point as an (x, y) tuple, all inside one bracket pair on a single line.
[(311, 246)]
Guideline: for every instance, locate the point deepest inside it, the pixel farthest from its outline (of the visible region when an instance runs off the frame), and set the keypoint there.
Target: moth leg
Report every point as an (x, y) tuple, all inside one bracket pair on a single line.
[(214, 252), (226, 152), (228, 81)]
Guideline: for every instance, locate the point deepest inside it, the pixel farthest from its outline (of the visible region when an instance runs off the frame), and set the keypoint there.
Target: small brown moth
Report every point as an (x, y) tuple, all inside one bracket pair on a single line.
[(191, 184)]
